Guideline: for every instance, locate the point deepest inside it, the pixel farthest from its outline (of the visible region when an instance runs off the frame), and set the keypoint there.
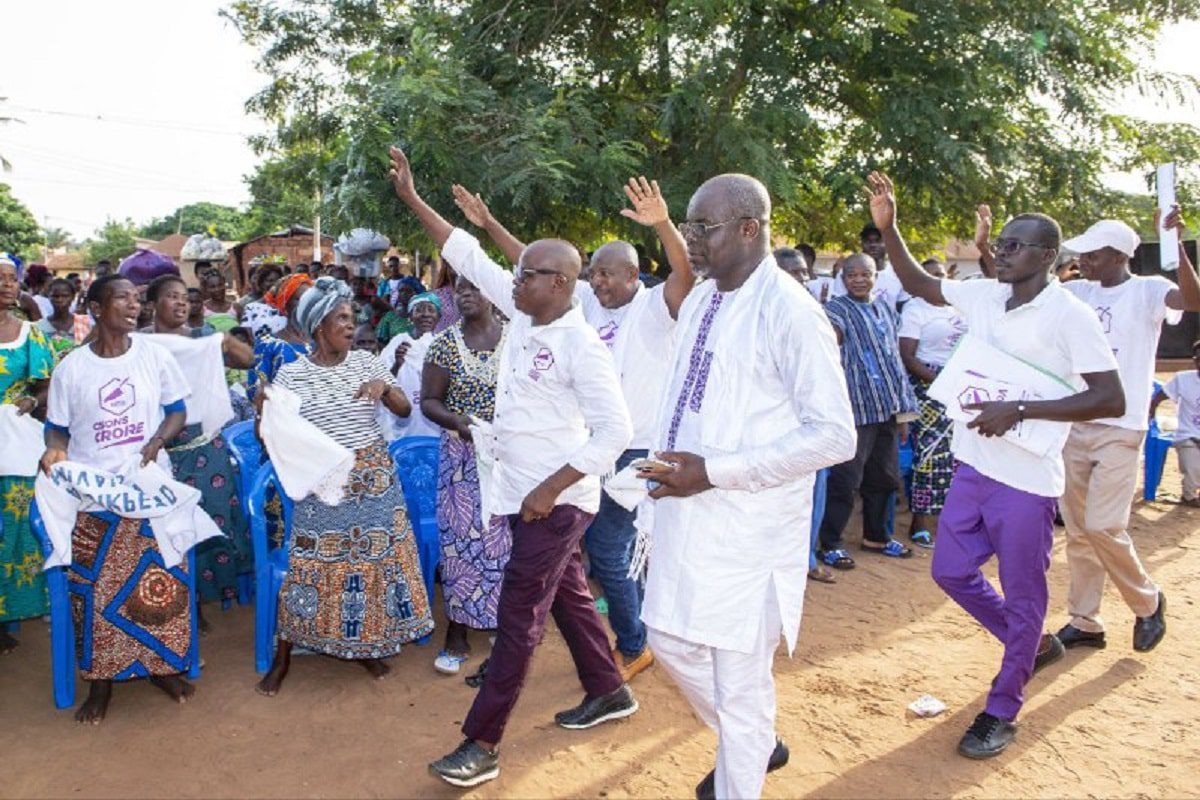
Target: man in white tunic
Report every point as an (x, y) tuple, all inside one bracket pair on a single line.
[(756, 404)]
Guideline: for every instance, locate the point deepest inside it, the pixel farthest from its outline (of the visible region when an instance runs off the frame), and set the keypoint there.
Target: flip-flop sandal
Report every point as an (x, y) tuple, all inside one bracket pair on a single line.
[(475, 680), (838, 559), (892, 549), (922, 539), (821, 576)]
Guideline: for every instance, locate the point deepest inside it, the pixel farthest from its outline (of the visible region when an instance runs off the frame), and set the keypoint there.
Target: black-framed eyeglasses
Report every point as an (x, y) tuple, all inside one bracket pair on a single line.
[(1008, 247), (521, 273), (700, 230)]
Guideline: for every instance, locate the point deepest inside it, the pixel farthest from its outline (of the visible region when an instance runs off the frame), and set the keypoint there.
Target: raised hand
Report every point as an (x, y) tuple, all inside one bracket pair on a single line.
[(400, 174), (649, 207), (472, 206), (883, 200), (983, 224), (1174, 220)]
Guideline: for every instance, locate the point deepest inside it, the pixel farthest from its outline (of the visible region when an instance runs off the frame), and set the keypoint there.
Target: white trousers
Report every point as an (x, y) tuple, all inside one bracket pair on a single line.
[(734, 693)]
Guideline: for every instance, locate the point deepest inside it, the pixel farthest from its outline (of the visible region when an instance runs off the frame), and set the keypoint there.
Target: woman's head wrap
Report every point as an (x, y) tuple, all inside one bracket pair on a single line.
[(412, 283), (283, 291), (14, 262), (425, 297), (316, 304)]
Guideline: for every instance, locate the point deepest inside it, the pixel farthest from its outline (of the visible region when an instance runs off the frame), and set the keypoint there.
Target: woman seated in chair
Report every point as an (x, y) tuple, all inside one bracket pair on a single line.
[(112, 401), (354, 588), (204, 462), (459, 381)]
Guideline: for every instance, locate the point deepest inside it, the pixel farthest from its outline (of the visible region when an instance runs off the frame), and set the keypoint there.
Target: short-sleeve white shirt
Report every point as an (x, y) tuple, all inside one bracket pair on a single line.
[(1184, 389), (936, 329), (1055, 332)]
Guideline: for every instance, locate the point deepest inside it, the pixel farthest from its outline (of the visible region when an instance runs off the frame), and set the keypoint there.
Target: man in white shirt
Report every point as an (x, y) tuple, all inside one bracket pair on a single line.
[(1184, 389), (1001, 500), (559, 425), (755, 405), (636, 323), (887, 284), (1102, 456)]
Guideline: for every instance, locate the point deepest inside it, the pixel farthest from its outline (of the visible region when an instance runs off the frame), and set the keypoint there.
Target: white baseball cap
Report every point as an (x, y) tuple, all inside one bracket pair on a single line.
[(1105, 233)]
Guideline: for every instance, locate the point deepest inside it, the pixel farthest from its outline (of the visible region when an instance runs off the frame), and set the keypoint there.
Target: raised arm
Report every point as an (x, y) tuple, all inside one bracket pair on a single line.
[(236, 353), (650, 209), (1187, 296), (913, 277), (983, 240), (400, 174), (478, 214)]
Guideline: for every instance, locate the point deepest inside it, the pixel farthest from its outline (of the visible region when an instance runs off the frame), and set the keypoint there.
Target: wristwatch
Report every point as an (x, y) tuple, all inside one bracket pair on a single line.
[(1020, 412)]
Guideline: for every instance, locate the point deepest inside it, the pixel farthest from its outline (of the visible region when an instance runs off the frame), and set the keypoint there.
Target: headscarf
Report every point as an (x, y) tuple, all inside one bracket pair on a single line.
[(36, 273), (425, 297), (283, 291), (14, 262), (316, 304), (412, 283)]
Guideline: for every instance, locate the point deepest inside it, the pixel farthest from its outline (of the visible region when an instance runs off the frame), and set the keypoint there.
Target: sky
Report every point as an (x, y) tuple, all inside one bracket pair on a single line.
[(132, 108)]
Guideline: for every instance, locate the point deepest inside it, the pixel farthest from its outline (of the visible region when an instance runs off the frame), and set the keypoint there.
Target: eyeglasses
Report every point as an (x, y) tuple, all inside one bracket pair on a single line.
[(521, 273), (700, 230), (1008, 247)]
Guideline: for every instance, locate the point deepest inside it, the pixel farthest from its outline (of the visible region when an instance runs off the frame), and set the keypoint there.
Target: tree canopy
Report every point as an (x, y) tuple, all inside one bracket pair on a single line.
[(224, 222), (113, 242), (20, 232), (546, 108)]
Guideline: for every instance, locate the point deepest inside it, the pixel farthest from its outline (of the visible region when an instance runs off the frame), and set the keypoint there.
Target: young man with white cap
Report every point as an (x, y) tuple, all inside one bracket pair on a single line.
[(1101, 456)]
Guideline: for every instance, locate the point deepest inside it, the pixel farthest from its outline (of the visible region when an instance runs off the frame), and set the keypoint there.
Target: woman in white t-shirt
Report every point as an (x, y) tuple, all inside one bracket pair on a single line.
[(928, 335), (115, 403), (1184, 389)]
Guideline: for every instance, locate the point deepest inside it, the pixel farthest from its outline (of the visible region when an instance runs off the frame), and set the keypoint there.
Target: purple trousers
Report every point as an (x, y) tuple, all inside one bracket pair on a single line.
[(982, 518), (544, 575)]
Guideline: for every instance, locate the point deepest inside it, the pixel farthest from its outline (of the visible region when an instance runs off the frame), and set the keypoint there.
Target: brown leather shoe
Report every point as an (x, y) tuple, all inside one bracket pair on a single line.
[(631, 667)]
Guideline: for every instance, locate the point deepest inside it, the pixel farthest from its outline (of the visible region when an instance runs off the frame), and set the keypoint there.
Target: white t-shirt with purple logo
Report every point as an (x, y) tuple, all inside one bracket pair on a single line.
[(1131, 314), (1184, 389), (113, 406)]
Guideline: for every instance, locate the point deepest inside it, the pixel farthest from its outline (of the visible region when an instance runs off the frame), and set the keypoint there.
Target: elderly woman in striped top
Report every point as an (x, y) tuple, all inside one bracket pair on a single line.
[(354, 588)]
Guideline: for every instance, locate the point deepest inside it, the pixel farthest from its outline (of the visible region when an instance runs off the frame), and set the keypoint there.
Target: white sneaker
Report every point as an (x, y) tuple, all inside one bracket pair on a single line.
[(448, 663)]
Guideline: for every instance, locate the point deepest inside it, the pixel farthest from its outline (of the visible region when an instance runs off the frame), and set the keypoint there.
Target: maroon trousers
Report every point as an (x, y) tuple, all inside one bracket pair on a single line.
[(544, 574)]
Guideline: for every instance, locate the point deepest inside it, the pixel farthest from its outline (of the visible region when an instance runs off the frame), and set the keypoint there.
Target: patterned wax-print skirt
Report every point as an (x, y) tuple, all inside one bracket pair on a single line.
[(209, 468), (22, 584), (473, 555), (133, 617), (933, 464), (354, 588)]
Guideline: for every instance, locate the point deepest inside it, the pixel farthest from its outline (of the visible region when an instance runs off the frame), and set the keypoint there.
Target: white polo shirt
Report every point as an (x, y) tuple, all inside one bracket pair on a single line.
[(1054, 332), (558, 400), (1131, 315)]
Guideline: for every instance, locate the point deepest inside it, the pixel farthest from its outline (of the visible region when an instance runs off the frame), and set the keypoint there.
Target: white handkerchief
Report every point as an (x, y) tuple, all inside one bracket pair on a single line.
[(21, 443), (307, 460)]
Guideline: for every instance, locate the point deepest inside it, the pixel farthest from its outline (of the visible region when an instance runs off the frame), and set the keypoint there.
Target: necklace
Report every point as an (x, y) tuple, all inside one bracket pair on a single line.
[(484, 370)]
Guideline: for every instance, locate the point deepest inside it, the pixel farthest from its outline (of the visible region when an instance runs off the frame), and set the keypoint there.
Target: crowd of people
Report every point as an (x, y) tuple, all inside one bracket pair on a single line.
[(704, 434)]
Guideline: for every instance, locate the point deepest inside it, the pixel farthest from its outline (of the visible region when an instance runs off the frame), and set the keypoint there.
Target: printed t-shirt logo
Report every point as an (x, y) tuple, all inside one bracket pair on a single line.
[(117, 396)]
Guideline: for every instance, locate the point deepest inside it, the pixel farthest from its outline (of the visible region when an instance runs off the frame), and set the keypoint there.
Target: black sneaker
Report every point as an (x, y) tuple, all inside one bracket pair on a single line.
[(1071, 636), (468, 765), (589, 713), (706, 789), (987, 737), (1149, 631), (1049, 651)]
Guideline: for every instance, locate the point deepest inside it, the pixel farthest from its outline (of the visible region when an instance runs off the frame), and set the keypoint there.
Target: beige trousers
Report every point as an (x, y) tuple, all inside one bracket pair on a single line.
[(1102, 472), (1189, 466)]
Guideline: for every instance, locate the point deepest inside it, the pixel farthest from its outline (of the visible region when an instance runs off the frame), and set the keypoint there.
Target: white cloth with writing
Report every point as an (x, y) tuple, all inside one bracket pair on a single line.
[(21, 443), (980, 373), (307, 460), (203, 367), (137, 492)]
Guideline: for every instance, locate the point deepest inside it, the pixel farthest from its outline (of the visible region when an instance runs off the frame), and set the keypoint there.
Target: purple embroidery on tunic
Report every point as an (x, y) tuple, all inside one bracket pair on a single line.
[(691, 394)]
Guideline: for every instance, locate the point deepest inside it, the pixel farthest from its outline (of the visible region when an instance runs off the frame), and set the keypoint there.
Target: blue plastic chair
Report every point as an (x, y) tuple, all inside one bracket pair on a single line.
[(416, 460), (247, 453), (270, 564), (1156, 447), (63, 657)]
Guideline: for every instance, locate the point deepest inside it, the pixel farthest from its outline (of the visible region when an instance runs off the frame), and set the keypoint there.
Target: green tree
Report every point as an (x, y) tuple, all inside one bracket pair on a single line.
[(546, 107), (19, 229), (224, 222), (56, 237), (113, 242)]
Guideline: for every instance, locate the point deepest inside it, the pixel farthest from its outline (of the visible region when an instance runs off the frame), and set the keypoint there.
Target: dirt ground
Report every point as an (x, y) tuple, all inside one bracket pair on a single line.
[(1111, 723)]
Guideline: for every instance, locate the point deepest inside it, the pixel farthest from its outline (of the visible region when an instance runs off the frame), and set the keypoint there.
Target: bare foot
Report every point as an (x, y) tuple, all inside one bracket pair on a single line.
[(174, 686), (269, 685), (377, 668), (96, 706), (8, 642)]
